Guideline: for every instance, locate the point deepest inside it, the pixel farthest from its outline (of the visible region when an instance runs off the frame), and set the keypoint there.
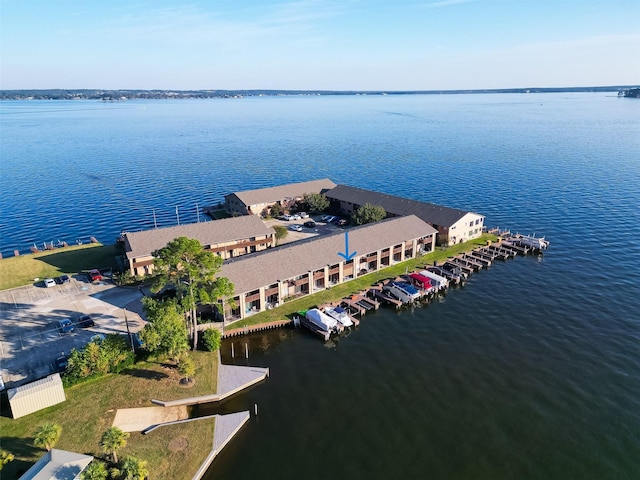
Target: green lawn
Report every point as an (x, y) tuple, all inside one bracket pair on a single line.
[(338, 292), (22, 270), (91, 407)]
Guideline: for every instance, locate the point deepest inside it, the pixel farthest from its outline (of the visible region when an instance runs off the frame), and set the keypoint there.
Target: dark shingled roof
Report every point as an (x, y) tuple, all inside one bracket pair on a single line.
[(429, 212), (140, 244), (265, 268), (291, 190)]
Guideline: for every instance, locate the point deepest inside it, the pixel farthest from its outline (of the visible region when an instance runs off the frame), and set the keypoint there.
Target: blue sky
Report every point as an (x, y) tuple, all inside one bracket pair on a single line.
[(318, 44)]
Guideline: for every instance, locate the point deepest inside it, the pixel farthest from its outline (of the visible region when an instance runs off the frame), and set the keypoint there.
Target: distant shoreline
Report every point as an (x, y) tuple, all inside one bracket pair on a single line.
[(133, 94)]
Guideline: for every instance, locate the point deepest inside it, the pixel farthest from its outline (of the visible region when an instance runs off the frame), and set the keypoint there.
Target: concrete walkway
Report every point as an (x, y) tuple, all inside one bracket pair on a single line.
[(139, 419)]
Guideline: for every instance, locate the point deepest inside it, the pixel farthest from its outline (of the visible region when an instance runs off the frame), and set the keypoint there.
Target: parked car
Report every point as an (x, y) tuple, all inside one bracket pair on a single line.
[(341, 222), (295, 216), (286, 217), (94, 275), (65, 326), (85, 321), (295, 228), (303, 214), (328, 218), (61, 363), (63, 279), (310, 224), (49, 282)]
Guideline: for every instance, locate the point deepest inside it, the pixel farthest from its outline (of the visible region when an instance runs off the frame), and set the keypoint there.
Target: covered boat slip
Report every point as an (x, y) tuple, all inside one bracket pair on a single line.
[(421, 281), (266, 279)]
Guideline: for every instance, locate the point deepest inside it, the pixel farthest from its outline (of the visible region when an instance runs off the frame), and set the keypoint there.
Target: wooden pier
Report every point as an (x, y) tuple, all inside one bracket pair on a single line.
[(457, 263), (260, 327), (379, 294)]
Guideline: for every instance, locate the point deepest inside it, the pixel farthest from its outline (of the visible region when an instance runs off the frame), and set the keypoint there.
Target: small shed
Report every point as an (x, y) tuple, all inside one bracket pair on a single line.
[(58, 465), (36, 395)]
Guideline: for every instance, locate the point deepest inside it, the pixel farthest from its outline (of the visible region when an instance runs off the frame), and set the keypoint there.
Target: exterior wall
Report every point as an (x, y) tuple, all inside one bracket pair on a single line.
[(258, 208), (467, 228), (142, 266)]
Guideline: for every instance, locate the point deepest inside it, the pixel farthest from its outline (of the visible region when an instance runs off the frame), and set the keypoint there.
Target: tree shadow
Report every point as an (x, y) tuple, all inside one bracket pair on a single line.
[(25, 454), (102, 256), (146, 374)]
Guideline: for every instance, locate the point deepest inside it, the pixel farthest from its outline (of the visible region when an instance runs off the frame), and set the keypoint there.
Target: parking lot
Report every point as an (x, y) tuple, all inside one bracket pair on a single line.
[(29, 338), (321, 228)]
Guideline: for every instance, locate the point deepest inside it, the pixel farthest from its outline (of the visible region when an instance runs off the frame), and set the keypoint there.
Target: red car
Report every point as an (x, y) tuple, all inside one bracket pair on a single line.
[(94, 275)]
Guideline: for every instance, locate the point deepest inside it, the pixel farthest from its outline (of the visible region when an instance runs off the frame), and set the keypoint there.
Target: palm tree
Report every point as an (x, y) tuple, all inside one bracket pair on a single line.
[(5, 457), (112, 440), (95, 471), (47, 435), (133, 468)]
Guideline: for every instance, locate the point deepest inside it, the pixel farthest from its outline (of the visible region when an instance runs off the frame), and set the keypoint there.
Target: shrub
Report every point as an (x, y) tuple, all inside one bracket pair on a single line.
[(212, 339), (98, 358)]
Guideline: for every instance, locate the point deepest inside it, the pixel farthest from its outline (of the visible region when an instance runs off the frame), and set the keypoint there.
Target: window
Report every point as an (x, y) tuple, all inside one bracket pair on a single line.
[(477, 221), (471, 223)]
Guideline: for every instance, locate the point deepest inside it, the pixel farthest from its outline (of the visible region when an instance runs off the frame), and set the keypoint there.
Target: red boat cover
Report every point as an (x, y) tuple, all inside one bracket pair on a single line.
[(421, 279)]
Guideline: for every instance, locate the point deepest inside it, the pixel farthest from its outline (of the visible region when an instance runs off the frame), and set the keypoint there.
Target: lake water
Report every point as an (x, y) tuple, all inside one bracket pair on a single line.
[(530, 371)]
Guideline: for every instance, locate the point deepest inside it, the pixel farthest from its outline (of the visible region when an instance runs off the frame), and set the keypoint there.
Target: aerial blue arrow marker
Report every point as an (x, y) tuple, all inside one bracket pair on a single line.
[(346, 255)]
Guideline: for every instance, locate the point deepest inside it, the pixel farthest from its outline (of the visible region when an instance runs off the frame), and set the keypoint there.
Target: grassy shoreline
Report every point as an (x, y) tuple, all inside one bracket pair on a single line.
[(24, 269)]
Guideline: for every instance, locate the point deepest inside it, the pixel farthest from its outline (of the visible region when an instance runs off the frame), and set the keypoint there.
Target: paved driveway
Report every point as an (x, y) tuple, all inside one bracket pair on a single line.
[(321, 228), (29, 339)]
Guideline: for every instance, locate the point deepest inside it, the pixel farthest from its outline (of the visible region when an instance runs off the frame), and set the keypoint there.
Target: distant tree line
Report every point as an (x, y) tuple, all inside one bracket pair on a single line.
[(116, 95)]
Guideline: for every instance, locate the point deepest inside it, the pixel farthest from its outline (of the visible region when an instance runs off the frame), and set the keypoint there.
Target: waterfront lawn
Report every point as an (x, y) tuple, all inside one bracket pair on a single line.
[(22, 270), (91, 407), (338, 292)]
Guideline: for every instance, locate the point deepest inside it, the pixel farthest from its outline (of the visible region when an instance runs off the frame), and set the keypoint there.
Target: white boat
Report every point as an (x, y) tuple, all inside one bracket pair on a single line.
[(340, 314), (532, 242), (321, 320), (439, 282)]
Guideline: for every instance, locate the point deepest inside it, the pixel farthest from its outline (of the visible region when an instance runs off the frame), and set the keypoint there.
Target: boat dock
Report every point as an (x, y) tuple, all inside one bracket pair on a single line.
[(379, 294), (260, 327), (302, 320), (361, 303), (456, 269)]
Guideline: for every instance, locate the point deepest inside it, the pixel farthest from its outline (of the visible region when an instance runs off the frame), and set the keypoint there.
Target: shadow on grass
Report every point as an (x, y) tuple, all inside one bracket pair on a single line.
[(21, 448), (100, 257), (146, 374)]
